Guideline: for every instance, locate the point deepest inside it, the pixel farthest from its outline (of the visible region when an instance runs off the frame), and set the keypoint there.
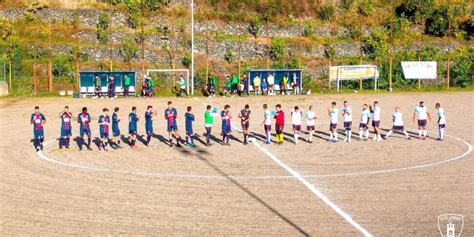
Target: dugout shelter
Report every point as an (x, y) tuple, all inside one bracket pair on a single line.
[(86, 81), (294, 76)]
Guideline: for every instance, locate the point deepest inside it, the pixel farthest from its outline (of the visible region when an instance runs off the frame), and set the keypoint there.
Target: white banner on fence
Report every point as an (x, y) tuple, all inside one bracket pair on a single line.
[(420, 69)]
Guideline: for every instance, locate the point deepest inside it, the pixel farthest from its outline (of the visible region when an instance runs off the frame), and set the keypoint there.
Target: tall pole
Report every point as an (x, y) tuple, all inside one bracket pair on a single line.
[(449, 57), (240, 54), (78, 49), (111, 55), (360, 45), (192, 47), (207, 53), (142, 39), (390, 52), (50, 63), (268, 46)]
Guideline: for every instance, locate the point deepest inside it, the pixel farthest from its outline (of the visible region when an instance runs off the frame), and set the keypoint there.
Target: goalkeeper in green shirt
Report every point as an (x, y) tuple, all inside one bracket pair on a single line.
[(209, 121)]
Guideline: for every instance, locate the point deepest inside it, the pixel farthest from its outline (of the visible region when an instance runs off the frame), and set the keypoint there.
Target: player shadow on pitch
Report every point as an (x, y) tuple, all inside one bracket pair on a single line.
[(412, 134), (96, 142), (125, 140), (200, 154), (161, 138), (212, 138)]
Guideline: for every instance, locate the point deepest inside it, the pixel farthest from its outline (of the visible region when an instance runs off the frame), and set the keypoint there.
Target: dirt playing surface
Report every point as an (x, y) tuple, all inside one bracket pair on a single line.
[(395, 187)]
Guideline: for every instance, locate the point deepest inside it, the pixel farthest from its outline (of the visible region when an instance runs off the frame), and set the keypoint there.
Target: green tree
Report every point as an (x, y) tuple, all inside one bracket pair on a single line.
[(277, 49), (186, 61), (128, 50), (377, 43), (103, 27), (463, 68), (416, 10), (61, 66)]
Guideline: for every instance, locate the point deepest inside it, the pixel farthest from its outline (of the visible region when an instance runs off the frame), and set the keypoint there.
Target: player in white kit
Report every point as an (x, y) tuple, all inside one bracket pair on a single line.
[(267, 123), (364, 123), (397, 118), (441, 121), (310, 123), (421, 112), (376, 121), (296, 115), (333, 112), (347, 115)]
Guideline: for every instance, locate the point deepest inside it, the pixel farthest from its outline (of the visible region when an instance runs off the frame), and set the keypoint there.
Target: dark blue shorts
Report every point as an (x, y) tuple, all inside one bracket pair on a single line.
[(173, 128), (104, 135), (116, 132), (66, 133), (132, 131), (85, 131), (38, 134)]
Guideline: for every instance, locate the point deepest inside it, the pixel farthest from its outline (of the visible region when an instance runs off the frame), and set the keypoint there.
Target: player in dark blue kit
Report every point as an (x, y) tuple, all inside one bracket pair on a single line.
[(115, 128), (149, 123), (189, 116), (132, 126), (104, 124), (38, 119), (84, 120), (171, 125), (66, 129)]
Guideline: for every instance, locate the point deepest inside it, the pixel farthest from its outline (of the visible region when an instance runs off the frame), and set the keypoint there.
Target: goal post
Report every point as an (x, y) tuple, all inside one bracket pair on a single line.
[(178, 72)]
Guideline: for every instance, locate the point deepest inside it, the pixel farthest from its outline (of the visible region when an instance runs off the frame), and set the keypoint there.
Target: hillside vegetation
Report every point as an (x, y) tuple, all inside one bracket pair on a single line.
[(59, 40)]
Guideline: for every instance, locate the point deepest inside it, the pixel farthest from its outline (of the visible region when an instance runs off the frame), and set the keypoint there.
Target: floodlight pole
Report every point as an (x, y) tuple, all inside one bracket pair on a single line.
[(192, 46)]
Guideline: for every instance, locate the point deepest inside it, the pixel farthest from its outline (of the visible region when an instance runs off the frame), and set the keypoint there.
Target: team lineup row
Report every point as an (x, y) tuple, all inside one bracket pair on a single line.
[(110, 132)]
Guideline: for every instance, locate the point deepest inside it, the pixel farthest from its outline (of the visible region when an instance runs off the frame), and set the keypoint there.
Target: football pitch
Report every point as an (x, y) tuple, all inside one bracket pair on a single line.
[(394, 187)]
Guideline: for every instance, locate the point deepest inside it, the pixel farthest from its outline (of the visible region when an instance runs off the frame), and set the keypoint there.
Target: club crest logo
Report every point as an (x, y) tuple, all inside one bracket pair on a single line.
[(450, 225)]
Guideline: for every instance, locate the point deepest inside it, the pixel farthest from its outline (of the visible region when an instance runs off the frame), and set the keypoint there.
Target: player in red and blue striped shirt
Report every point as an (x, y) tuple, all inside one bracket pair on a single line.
[(38, 119), (66, 128)]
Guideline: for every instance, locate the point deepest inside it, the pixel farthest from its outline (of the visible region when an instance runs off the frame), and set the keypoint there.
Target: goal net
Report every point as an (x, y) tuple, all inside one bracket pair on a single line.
[(171, 77)]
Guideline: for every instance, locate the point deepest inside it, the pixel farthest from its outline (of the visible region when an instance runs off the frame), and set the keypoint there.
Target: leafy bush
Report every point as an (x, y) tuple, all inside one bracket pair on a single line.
[(416, 10), (377, 43), (326, 12), (255, 26), (399, 26), (463, 68), (308, 29), (437, 24), (277, 49), (186, 61), (29, 16), (365, 7), (229, 55), (329, 51), (347, 4), (102, 27), (61, 66), (128, 50)]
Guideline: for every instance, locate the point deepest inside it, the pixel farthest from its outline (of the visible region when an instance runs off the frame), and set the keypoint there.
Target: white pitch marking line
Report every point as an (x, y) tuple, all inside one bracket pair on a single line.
[(316, 191), (44, 157), (311, 187)]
